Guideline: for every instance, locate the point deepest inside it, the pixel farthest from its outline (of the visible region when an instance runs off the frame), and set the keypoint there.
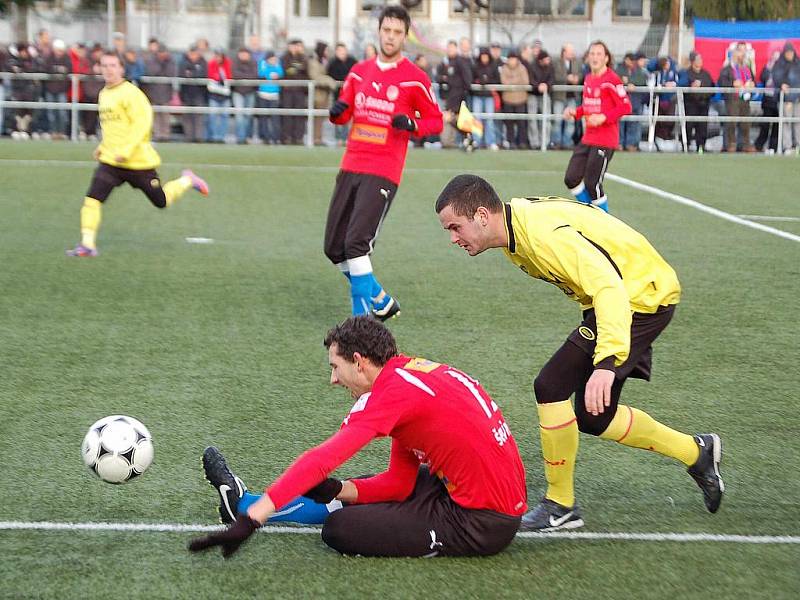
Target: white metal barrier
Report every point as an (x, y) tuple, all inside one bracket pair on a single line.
[(546, 117)]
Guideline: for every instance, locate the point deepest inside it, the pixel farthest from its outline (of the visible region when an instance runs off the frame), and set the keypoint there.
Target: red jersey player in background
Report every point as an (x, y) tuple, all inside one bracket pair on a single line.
[(605, 102), (455, 485), (389, 99)]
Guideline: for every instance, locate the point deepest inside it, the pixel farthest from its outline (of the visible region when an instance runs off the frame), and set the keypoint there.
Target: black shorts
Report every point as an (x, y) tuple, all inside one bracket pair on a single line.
[(568, 370), (428, 523), (588, 164), (645, 328), (106, 178), (358, 207)]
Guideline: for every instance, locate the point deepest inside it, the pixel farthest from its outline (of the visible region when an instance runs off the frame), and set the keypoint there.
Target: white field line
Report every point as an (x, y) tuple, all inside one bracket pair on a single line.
[(565, 535), (768, 218), (253, 168), (702, 207)]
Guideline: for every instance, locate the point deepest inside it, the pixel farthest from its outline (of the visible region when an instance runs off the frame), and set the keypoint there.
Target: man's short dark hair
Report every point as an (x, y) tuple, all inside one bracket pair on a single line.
[(465, 193), (365, 335), (113, 53), (395, 11)]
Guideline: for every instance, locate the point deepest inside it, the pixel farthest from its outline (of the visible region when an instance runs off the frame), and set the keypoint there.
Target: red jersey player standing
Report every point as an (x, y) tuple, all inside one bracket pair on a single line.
[(388, 99), (605, 102), (455, 485)]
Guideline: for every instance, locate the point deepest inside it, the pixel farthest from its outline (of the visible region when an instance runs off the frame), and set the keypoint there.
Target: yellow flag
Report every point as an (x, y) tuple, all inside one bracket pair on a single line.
[(468, 123)]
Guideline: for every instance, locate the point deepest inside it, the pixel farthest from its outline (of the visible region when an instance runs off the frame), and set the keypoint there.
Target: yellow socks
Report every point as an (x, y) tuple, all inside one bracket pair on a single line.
[(91, 214), (176, 188), (559, 432), (635, 428)]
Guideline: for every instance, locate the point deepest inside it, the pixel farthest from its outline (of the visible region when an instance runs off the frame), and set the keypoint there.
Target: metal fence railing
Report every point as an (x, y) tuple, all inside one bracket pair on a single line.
[(545, 117)]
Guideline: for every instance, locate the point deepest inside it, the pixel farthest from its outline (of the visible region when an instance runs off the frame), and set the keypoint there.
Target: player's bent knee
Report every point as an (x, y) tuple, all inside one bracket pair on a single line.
[(158, 200), (548, 388), (595, 425), (333, 255), (335, 533), (333, 250), (354, 250)]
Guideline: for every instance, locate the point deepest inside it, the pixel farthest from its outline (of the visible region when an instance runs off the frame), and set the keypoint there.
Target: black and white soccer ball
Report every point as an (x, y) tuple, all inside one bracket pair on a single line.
[(117, 448)]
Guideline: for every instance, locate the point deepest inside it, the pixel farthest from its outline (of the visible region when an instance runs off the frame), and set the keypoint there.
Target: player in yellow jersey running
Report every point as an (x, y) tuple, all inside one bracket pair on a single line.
[(627, 292), (125, 154)]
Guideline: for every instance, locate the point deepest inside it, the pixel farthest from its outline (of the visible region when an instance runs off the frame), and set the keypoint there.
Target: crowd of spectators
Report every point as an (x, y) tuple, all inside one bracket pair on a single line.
[(530, 67)]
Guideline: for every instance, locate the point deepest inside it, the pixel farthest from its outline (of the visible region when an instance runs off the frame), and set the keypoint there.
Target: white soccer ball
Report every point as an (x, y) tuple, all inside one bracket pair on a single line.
[(117, 448)]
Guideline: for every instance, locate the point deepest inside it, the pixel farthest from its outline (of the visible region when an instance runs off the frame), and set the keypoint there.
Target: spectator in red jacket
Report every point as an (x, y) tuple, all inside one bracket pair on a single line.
[(219, 95)]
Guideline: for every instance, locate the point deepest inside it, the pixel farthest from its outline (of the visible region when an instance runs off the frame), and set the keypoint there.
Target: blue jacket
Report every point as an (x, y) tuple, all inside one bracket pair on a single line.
[(134, 71), (265, 70)]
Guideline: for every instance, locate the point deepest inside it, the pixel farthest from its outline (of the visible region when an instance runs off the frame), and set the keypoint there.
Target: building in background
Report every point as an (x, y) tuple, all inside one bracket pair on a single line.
[(627, 25)]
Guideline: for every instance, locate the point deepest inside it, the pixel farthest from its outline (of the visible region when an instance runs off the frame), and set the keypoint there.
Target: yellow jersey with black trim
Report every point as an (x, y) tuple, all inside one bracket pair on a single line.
[(126, 118), (595, 259)]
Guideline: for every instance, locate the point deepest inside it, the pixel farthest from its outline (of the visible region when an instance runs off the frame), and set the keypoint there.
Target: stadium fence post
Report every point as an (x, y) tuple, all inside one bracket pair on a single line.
[(73, 129), (682, 117), (3, 83), (779, 150), (651, 134), (545, 135), (310, 117)]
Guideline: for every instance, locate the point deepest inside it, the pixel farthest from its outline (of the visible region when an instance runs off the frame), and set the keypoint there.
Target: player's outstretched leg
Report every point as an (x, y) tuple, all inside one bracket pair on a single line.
[(235, 499), (301, 510), (91, 215), (230, 488), (173, 190), (700, 453), (706, 470), (197, 182)]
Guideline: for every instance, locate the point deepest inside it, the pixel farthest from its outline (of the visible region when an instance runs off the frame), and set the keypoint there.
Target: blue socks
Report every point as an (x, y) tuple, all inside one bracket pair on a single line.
[(360, 293), (300, 510), (581, 193), (366, 292)]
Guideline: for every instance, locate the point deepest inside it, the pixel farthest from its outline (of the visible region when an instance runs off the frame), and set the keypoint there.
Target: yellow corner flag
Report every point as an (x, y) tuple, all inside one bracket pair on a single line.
[(467, 123)]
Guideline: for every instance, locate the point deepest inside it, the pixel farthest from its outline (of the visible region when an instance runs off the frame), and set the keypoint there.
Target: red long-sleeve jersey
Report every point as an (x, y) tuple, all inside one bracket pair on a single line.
[(435, 415), (374, 92), (603, 94)]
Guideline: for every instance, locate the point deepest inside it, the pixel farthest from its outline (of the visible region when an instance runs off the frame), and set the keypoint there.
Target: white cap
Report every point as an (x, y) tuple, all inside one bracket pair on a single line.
[(59, 45)]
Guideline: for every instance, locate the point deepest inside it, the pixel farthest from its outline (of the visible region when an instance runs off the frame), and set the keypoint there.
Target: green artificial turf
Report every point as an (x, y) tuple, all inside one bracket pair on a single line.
[(222, 343)]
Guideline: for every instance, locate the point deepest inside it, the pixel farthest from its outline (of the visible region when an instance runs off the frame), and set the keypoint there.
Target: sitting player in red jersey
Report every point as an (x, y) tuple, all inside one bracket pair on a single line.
[(389, 99), (455, 485), (605, 102)]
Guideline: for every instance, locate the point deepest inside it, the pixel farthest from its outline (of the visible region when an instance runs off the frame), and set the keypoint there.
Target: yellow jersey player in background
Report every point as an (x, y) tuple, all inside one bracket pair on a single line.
[(628, 294), (125, 154)]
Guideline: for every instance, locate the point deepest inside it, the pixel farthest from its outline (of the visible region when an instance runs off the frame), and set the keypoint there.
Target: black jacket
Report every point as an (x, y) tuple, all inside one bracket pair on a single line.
[(699, 101), (193, 94), (244, 69), (338, 70), (540, 73), (787, 72), (57, 66), (485, 75), (24, 89), (454, 79)]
